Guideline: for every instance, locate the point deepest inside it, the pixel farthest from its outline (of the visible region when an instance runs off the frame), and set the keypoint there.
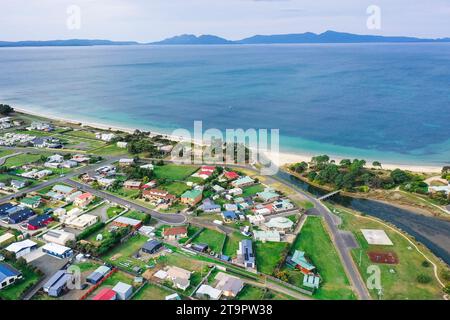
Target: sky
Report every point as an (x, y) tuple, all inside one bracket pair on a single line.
[(152, 20)]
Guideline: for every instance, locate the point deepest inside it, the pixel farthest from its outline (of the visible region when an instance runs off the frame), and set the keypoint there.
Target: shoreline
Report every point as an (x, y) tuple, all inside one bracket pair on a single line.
[(280, 159)]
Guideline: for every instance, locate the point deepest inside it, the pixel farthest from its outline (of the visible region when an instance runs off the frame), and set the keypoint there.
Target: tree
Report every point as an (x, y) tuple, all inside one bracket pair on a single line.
[(5, 109), (399, 176), (376, 164), (345, 163), (423, 278)]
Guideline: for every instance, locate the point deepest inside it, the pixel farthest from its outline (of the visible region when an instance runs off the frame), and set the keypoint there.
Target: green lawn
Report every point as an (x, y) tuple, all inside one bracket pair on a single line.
[(80, 134), (22, 159), (176, 188), (315, 241), (402, 283), (151, 291), (5, 152), (250, 293), (16, 290), (213, 238), (269, 255), (174, 172), (252, 190), (136, 215), (121, 255), (113, 211), (110, 150), (232, 243)]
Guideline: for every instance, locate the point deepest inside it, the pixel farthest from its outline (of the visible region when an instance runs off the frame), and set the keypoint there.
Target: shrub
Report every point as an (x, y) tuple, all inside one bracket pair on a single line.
[(423, 278), (426, 264)]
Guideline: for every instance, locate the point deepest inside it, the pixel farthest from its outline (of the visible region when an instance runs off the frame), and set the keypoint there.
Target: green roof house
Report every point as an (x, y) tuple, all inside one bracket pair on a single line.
[(298, 261), (31, 202), (268, 195), (191, 197)]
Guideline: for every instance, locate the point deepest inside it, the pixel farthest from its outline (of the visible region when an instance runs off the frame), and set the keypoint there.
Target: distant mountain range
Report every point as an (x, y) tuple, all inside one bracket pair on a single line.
[(189, 39)]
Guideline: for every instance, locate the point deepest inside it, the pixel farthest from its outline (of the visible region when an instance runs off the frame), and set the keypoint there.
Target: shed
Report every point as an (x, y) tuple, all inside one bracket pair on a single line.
[(123, 290)]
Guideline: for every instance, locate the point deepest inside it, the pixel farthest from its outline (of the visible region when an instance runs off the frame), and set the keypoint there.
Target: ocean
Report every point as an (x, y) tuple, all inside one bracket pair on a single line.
[(387, 102)]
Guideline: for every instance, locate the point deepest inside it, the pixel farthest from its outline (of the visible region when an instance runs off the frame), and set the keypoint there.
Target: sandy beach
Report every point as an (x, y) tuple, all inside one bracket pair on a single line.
[(279, 159)]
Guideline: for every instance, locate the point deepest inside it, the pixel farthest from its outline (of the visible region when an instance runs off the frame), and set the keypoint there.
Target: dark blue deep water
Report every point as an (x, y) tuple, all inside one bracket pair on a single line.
[(389, 102)]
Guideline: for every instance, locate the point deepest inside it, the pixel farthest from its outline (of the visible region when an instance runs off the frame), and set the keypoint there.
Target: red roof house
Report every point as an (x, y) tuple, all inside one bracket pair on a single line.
[(231, 175), (106, 295)]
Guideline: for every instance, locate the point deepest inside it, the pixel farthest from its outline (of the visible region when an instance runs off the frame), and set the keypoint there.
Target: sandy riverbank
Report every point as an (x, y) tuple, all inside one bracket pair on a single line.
[(280, 158)]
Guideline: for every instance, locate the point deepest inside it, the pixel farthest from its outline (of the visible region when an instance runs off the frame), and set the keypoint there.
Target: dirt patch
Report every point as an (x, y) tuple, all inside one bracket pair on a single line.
[(383, 257)]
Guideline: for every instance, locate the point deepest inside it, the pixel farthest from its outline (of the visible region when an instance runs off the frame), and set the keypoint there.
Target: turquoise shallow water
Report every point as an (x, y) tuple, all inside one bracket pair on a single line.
[(378, 101)]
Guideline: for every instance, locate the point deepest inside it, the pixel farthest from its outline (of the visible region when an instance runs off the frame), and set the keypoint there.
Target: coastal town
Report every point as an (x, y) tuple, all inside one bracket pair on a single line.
[(99, 214)]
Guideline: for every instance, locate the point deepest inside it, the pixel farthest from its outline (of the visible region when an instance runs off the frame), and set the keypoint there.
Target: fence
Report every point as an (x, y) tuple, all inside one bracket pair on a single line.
[(94, 287)]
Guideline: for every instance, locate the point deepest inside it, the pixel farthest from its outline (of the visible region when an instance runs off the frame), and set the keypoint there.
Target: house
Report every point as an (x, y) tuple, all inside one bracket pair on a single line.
[(311, 281), (243, 182), (105, 182), (218, 189), (132, 184), (180, 277), (56, 158), (83, 200), (147, 231), (71, 197), (6, 239), (281, 224), (173, 296), (57, 250), (206, 291), (229, 216), (18, 184), (151, 247), (5, 207), (209, 206), (245, 254), (229, 285), (122, 144), (124, 222), (39, 222), (81, 222), (235, 192), (205, 172), (200, 247), (282, 205), (175, 233), (105, 136), (445, 189), (42, 174), (98, 274), (63, 190), (299, 261), (60, 237), (159, 196), (126, 162), (123, 290), (262, 210), (18, 215), (31, 202), (149, 185), (191, 197), (231, 175), (69, 164), (256, 219), (8, 275), (268, 195), (81, 158), (105, 294), (147, 166), (267, 236), (230, 207), (21, 248), (57, 284)]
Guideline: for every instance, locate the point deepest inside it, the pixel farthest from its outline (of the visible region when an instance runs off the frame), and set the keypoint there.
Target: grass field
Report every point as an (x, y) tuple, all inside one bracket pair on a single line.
[(136, 215), (109, 150), (22, 159), (315, 241), (151, 291), (176, 188), (252, 190), (5, 152), (174, 172), (402, 283), (250, 293), (232, 244), (213, 238), (121, 255), (113, 211), (16, 290), (269, 255)]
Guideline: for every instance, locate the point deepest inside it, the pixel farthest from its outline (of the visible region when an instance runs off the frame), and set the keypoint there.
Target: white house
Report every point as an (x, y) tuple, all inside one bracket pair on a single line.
[(22, 248)]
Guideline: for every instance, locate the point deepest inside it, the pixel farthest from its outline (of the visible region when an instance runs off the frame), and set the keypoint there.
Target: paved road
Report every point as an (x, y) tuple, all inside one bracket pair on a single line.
[(341, 242), (171, 218)]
